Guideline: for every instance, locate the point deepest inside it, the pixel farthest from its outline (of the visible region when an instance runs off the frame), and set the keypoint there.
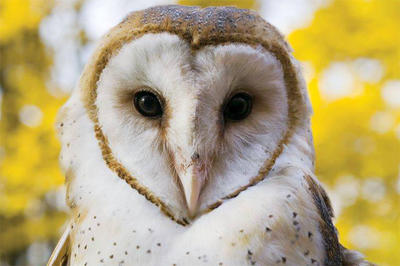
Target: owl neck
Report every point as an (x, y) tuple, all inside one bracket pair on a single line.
[(298, 152)]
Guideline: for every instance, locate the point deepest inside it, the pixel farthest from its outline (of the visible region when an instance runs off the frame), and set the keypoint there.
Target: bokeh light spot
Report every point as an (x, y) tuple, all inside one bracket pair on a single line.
[(337, 81), (373, 189), (30, 115), (382, 122), (364, 237), (391, 93)]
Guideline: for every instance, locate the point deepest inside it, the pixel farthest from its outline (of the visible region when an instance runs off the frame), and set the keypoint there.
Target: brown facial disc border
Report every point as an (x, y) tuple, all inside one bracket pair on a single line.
[(89, 81)]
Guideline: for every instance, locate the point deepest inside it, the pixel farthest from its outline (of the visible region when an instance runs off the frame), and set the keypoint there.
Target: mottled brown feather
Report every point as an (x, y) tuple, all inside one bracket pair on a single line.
[(333, 249)]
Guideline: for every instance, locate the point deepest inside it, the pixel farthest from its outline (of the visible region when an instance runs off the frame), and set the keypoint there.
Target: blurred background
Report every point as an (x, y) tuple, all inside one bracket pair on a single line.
[(350, 52)]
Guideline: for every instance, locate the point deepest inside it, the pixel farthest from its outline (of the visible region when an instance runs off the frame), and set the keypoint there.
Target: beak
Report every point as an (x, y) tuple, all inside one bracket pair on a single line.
[(192, 179)]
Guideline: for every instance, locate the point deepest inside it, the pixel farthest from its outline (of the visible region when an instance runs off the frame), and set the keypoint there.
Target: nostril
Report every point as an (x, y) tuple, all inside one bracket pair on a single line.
[(195, 156)]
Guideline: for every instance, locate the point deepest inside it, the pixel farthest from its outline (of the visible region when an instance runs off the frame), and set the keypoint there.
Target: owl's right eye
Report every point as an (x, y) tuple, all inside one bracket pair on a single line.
[(147, 104)]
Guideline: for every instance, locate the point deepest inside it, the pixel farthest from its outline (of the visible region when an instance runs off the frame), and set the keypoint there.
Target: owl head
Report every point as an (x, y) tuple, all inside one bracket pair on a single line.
[(189, 107)]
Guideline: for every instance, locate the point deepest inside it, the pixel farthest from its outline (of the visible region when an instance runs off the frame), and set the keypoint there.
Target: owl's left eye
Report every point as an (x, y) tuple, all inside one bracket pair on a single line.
[(238, 107), (147, 104)]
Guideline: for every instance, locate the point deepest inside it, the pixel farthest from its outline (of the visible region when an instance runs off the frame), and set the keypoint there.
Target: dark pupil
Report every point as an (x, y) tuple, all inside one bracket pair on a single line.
[(239, 107), (147, 104)]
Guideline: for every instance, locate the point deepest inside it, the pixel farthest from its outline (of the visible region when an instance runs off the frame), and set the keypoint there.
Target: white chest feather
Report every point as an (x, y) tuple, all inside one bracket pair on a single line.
[(266, 225)]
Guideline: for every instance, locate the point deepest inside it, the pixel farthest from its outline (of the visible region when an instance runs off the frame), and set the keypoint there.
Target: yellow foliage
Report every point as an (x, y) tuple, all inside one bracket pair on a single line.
[(18, 15), (346, 142), (28, 153)]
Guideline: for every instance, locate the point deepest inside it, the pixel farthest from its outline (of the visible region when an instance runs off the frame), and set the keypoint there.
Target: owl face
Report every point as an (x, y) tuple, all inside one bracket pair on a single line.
[(192, 126)]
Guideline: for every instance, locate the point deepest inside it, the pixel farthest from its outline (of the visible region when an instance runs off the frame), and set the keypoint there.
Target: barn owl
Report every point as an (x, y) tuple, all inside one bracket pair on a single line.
[(188, 142)]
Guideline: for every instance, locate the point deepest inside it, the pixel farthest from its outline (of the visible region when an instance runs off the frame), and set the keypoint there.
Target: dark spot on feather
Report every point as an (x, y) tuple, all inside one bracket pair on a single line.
[(268, 229)]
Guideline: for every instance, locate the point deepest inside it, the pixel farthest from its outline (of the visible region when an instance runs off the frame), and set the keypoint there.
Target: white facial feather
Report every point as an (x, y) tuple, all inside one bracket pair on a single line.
[(194, 89), (154, 62), (247, 144)]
